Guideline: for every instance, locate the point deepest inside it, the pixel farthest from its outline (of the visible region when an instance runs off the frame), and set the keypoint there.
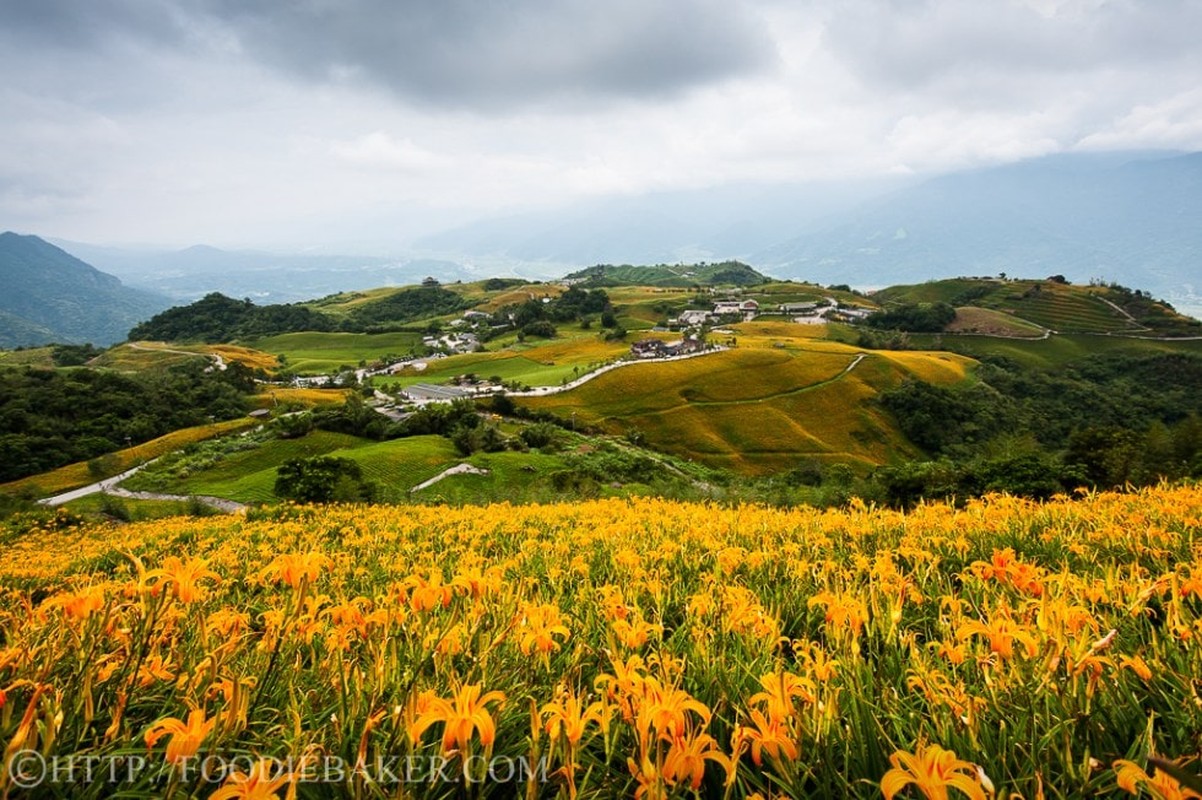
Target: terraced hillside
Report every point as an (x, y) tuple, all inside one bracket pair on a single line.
[(761, 406), (1052, 305)]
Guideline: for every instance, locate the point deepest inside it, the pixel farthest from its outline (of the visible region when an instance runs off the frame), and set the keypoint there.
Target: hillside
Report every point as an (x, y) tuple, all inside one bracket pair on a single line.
[(51, 296), (773, 400)]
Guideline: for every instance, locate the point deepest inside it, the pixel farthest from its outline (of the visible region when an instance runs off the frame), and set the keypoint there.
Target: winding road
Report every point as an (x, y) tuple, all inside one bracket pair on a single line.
[(110, 486)]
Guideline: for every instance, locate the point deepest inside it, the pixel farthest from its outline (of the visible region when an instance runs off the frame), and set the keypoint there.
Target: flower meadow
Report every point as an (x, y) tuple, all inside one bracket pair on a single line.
[(617, 648)]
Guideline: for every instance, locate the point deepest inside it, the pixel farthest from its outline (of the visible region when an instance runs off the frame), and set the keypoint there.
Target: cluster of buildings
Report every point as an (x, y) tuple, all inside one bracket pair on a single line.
[(453, 342), (658, 348), (746, 310)]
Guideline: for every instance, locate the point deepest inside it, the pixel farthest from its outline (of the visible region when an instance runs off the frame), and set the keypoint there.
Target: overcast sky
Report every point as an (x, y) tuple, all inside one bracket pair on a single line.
[(296, 123)]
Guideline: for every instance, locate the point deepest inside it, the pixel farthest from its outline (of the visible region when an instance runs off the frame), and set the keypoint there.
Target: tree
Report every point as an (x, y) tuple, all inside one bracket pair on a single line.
[(323, 479)]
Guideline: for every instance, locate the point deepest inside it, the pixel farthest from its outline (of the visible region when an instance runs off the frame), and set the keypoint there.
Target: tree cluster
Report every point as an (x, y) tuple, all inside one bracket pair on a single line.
[(49, 418), (913, 317)]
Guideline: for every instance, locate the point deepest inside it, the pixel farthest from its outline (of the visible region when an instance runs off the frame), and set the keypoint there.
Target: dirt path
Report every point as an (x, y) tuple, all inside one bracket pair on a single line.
[(217, 360)]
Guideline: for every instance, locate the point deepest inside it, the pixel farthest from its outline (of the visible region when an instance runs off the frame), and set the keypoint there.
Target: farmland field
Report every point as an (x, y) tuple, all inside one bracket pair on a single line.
[(617, 648)]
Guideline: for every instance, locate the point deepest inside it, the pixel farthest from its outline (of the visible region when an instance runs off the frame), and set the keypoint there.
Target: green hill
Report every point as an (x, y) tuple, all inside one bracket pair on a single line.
[(51, 296), (726, 273)]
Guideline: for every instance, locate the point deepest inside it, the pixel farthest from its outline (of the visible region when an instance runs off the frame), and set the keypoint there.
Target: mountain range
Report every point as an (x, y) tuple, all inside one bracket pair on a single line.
[(190, 273), (50, 295)]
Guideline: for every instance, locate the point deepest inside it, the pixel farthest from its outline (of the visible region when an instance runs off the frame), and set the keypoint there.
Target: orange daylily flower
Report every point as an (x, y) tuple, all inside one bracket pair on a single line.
[(186, 737), (570, 716), (1002, 633), (769, 735), (540, 624), (296, 568), (184, 578), (81, 604), (932, 770), (780, 689), (259, 784), (462, 716), (685, 761)]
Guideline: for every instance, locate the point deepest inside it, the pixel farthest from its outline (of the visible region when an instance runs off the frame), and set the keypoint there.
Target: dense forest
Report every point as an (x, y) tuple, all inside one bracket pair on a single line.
[(1105, 421), (49, 418)]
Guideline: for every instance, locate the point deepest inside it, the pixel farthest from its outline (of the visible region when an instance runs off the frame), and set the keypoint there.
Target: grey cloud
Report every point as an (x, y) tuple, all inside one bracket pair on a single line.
[(495, 54), (489, 54)]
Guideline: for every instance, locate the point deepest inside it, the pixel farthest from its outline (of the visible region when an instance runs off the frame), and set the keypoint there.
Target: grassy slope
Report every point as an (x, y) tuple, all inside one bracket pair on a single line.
[(971, 319), (320, 353), (29, 357), (538, 362), (509, 478), (1054, 351)]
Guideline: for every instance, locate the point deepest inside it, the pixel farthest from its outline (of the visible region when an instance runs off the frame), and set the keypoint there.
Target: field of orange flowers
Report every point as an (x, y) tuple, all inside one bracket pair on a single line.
[(621, 648)]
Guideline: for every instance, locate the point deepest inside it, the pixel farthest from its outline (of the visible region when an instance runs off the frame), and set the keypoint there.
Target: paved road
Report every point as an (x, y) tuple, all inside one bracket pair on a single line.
[(110, 486), (542, 391), (458, 469), (105, 485)]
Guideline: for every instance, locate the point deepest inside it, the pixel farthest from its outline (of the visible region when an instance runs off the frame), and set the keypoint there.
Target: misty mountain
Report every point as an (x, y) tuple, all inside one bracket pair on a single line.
[(194, 272), (1135, 220), (51, 296), (665, 227)]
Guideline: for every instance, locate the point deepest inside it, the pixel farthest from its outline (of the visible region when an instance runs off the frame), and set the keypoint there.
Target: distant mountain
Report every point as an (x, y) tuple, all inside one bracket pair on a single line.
[(51, 296), (665, 227), (192, 273), (1135, 220)]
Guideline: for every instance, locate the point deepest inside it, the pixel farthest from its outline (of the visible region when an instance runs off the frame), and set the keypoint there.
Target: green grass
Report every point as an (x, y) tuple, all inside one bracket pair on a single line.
[(970, 319), (313, 352), (512, 476), (28, 357), (145, 356), (397, 466), (536, 362)]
